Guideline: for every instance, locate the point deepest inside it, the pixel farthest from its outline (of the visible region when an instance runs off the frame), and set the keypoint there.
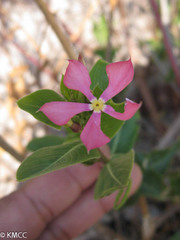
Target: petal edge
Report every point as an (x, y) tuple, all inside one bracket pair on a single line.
[(77, 78), (120, 74), (92, 135), (61, 112), (129, 110)]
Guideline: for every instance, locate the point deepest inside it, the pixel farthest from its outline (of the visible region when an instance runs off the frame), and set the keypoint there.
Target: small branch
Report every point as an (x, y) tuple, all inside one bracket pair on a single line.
[(148, 98), (10, 150), (113, 4), (58, 31), (125, 29), (148, 226), (140, 75), (109, 44), (170, 135), (144, 206), (166, 41)]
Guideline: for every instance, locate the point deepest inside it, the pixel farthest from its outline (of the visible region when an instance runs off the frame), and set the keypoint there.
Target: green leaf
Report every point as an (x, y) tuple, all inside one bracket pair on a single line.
[(157, 182), (97, 92), (99, 76), (160, 160), (45, 141), (157, 160), (118, 205), (50, 159), (115, 174), (32, 103), (109, 125), (126, 137), (66, 92), (152, 184), (101, 32)]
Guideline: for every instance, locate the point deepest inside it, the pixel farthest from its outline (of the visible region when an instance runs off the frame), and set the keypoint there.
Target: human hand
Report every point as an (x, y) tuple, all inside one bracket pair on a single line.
[(58, 205)]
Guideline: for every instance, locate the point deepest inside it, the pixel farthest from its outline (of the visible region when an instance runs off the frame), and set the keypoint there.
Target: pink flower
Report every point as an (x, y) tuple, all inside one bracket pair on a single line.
[(120, 74)]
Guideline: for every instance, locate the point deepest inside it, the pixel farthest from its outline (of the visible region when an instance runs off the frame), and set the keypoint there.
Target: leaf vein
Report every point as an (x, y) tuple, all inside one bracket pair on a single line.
[(112, 175)]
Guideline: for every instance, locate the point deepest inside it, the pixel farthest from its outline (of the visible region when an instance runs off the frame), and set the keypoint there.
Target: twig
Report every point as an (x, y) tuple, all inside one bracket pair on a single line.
[(148, 99), (10, 150), (166, 41), (148, 225), (140, 79), (170, 135), (144, 206), (125, 27), (58, 31), (109, 44), (113, 4)]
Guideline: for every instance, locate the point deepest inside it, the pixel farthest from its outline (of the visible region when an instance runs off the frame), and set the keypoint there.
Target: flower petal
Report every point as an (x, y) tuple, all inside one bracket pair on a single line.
[(77, 78), (92, 135), (129, 110), (120, 74), (61, 112)]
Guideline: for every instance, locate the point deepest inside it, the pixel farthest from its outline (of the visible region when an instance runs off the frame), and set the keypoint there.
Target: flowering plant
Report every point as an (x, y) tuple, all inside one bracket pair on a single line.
[(86, 107), (120, 74)]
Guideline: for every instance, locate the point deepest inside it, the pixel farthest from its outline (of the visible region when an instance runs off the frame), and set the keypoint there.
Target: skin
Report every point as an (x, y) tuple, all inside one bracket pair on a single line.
[(58, 205)]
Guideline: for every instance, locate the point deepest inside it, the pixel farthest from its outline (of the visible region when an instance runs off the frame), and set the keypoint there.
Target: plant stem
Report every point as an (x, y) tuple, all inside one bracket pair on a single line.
[(10, 150), (166, 41), (171, 134), (148, 227), (148, 98), (58, 31)]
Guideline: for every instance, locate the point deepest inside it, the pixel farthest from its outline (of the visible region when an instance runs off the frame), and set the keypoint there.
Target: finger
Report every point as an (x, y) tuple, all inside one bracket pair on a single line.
[(40, 200), (63, 186), (85, 212)]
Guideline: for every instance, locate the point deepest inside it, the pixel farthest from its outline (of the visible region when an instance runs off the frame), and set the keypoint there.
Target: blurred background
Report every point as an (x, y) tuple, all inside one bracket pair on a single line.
[(36, 39)]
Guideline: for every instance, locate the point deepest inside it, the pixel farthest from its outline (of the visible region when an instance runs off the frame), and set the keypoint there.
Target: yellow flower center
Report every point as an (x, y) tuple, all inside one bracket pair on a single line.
[(97, 105)]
